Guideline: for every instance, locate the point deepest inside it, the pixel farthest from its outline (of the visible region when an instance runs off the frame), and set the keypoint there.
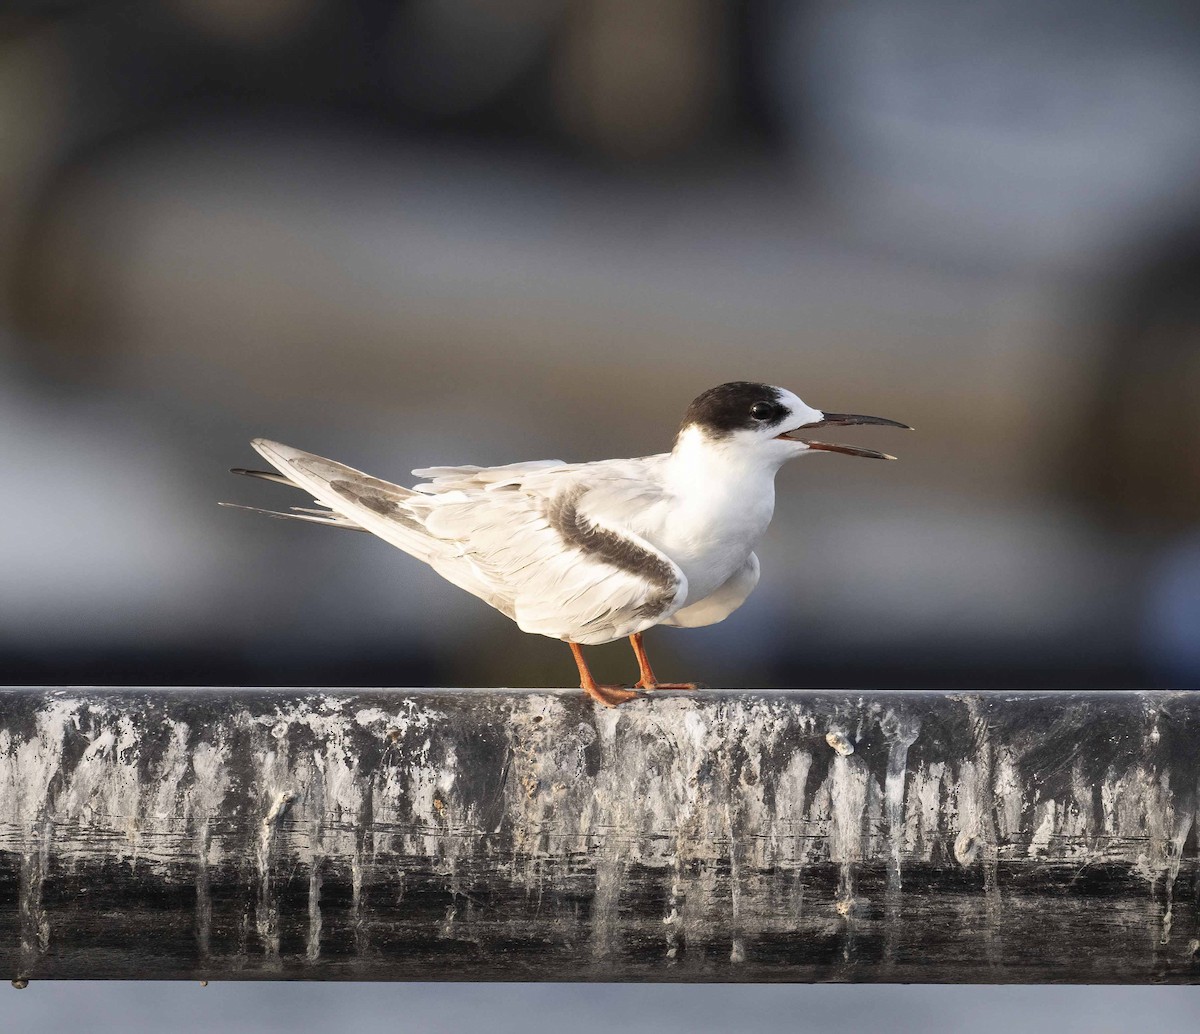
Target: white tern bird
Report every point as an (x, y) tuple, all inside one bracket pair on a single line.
[(591, 552)]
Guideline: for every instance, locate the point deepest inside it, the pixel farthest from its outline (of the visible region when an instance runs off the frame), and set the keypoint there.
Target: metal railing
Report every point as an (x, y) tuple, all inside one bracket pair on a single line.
[(513, 834)]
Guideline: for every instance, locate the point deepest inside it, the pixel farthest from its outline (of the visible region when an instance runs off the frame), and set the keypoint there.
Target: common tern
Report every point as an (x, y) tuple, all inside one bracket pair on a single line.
[(591, 552)]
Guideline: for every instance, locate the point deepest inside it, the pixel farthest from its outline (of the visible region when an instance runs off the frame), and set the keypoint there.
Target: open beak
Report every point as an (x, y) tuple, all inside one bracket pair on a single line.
[(843, 420)]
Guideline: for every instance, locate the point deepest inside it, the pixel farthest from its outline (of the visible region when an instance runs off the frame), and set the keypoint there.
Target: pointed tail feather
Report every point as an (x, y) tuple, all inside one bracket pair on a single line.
[(326, 517), (264, 475)]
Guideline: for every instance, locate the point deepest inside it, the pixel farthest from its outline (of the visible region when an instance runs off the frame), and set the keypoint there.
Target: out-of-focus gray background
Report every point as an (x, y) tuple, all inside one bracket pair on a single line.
[(411, 232), (596, 1009)]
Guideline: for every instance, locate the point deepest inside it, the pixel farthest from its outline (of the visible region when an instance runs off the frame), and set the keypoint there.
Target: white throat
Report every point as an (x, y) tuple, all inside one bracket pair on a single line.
[(701, 463)]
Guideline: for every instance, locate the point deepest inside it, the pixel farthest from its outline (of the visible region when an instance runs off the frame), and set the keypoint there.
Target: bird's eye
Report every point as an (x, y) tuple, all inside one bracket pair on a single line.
[(762, 410)]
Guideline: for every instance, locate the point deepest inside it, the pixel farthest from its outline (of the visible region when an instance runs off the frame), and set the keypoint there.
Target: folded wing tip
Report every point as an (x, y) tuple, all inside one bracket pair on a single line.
[(265, 445), (277, 453)]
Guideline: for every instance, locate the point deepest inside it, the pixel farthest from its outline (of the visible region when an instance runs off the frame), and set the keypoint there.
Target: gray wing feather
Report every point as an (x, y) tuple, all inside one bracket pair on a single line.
[(554, 536), (471, 479)]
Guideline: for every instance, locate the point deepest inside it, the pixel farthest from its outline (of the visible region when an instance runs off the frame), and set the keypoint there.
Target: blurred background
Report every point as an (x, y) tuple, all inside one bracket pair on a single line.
[(412, 232)]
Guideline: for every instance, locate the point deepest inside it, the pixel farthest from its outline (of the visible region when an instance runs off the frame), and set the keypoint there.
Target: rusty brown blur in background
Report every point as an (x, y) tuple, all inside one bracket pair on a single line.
[(446, 231)]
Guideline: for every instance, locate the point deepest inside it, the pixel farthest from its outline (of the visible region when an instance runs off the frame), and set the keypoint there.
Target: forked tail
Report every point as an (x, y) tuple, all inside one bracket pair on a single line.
[(314, 515)]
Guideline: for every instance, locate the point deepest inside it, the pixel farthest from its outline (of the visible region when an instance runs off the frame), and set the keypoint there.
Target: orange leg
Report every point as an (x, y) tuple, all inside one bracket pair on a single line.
[(609, 696), (648, 681)]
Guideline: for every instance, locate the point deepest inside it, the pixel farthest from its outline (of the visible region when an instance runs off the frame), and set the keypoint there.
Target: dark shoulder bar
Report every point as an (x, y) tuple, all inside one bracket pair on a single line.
[(516, 835)]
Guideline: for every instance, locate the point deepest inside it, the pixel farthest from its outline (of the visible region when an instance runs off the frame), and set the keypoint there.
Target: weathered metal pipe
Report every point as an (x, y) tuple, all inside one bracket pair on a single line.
[(507, 834)]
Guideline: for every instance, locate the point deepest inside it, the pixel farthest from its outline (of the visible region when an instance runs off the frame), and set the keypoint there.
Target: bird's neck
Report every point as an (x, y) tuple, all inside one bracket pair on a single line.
[(714, 481), (697, 457)]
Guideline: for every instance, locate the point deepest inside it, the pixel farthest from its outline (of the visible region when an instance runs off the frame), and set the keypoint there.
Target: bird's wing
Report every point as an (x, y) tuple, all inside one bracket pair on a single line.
[(560, 539), (447, 479), (721, 602), (546, 543)]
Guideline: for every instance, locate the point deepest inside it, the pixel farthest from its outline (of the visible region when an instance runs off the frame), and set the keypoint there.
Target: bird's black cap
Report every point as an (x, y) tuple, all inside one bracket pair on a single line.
[(735, 406)]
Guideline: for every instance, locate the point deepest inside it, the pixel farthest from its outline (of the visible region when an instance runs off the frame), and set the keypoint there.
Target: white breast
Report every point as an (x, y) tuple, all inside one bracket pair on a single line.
[(720, 505)]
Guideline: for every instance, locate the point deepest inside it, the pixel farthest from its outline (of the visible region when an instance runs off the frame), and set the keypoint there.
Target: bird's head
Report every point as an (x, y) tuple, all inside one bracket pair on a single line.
[(772, 424)]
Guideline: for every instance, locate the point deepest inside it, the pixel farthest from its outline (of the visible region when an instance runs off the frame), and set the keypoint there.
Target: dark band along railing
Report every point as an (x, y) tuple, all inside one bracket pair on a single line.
[(508, 834)]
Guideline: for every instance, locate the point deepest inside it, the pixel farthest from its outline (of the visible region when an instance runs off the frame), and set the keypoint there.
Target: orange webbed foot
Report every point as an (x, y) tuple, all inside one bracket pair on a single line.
[(609, 696)]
